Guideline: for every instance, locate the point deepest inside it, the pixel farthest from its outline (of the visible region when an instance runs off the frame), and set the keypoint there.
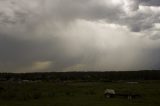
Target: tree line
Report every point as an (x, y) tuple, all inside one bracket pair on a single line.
[(83, 76)]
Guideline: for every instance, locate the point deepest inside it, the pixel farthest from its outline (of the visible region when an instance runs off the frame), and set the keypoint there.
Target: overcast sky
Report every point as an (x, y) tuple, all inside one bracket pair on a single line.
[(79, 35)]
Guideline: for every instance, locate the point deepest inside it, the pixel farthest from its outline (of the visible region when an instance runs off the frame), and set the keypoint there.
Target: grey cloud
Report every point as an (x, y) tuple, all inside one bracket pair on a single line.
[(132, 5), (91, 9), (150, 2), (155, 36), (69, 10), (94, 10), (65, 34)]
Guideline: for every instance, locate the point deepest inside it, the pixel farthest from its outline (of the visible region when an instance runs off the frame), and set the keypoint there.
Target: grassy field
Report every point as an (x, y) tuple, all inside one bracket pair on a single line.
[(77, 93)]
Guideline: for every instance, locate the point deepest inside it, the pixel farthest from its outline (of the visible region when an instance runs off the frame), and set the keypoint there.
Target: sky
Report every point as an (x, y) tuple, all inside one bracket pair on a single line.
[(79, 35)]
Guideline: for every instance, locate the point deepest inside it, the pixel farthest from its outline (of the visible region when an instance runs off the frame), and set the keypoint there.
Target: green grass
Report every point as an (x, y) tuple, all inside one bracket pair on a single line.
[(77, 94)]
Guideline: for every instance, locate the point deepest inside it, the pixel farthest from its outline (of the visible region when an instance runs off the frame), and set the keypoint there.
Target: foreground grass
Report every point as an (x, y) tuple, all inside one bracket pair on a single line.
[(77, 94)]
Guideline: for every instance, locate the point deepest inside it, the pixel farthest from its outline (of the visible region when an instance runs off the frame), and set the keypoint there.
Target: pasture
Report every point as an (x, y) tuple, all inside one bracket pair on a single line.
[(68, 93)]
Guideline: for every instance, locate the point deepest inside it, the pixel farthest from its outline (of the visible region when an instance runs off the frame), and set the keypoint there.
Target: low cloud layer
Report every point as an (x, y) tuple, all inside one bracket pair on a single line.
[(79, 35)]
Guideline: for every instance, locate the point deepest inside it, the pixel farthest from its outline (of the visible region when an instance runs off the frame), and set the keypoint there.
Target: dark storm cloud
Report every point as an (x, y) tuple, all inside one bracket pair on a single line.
[(150, 2), (51, 35)]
